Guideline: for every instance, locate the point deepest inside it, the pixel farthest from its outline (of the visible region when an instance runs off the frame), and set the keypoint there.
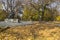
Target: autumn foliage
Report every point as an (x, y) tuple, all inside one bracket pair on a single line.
[(37, 31)]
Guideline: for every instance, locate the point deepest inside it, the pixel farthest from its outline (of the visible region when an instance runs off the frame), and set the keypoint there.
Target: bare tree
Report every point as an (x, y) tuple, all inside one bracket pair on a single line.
[(12, 7)]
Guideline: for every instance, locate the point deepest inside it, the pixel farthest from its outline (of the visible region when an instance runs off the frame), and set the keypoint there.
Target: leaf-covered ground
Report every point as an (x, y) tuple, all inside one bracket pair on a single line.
[(37, 31)]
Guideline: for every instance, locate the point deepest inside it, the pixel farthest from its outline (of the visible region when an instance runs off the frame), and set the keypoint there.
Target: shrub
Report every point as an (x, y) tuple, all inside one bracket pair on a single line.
[(30, 14), (3, 15), (58, 18)]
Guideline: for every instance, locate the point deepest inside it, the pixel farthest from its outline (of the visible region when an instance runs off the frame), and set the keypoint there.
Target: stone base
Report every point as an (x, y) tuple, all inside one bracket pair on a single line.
[(11, 20)]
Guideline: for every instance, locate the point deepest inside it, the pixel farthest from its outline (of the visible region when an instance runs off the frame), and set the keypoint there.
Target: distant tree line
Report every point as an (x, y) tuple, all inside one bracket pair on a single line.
[(32, 11)]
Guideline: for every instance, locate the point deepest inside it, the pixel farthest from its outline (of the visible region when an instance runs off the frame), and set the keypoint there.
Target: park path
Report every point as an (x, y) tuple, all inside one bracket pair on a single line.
[(10, 24)]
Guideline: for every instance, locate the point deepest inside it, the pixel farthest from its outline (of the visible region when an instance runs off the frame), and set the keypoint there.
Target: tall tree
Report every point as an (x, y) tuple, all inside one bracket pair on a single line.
[(12, 7), (39, 6)]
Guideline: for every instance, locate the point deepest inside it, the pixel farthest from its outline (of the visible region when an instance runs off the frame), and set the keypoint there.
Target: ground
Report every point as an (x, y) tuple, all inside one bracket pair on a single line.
[(37, 31)]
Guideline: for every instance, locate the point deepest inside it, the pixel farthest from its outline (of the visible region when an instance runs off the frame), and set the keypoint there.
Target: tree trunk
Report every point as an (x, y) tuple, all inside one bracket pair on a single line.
[(42, 16)]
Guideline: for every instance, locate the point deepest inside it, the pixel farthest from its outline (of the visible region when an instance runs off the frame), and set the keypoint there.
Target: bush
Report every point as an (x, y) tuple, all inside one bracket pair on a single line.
[(3, 15), (30, 14), (48, 15), (58, 18)]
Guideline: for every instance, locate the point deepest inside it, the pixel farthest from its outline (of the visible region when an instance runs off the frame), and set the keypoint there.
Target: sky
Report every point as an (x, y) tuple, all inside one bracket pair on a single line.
[(52, 5)]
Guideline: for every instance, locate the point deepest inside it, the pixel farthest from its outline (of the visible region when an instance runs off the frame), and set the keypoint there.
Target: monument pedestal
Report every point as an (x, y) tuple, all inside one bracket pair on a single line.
[(11, 20)]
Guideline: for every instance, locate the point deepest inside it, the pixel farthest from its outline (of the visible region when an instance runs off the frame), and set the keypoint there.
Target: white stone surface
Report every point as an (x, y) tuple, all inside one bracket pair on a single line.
[(11, 20)]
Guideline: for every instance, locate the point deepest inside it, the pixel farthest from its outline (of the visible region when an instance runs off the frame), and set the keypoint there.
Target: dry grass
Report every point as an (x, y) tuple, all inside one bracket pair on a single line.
[(38, 31)]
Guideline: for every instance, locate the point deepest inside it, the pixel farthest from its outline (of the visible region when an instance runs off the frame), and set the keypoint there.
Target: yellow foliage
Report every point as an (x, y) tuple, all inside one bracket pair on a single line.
[(3, 15), (47, 15), (32, 32), (58, 18), (30, 14)]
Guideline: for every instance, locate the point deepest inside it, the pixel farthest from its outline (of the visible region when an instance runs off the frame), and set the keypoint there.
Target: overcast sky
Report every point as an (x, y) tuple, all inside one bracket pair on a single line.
[(52, 5)]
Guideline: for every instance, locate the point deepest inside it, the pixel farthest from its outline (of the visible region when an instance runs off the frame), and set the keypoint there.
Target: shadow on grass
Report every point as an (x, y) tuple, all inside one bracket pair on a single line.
[(4, 29)]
